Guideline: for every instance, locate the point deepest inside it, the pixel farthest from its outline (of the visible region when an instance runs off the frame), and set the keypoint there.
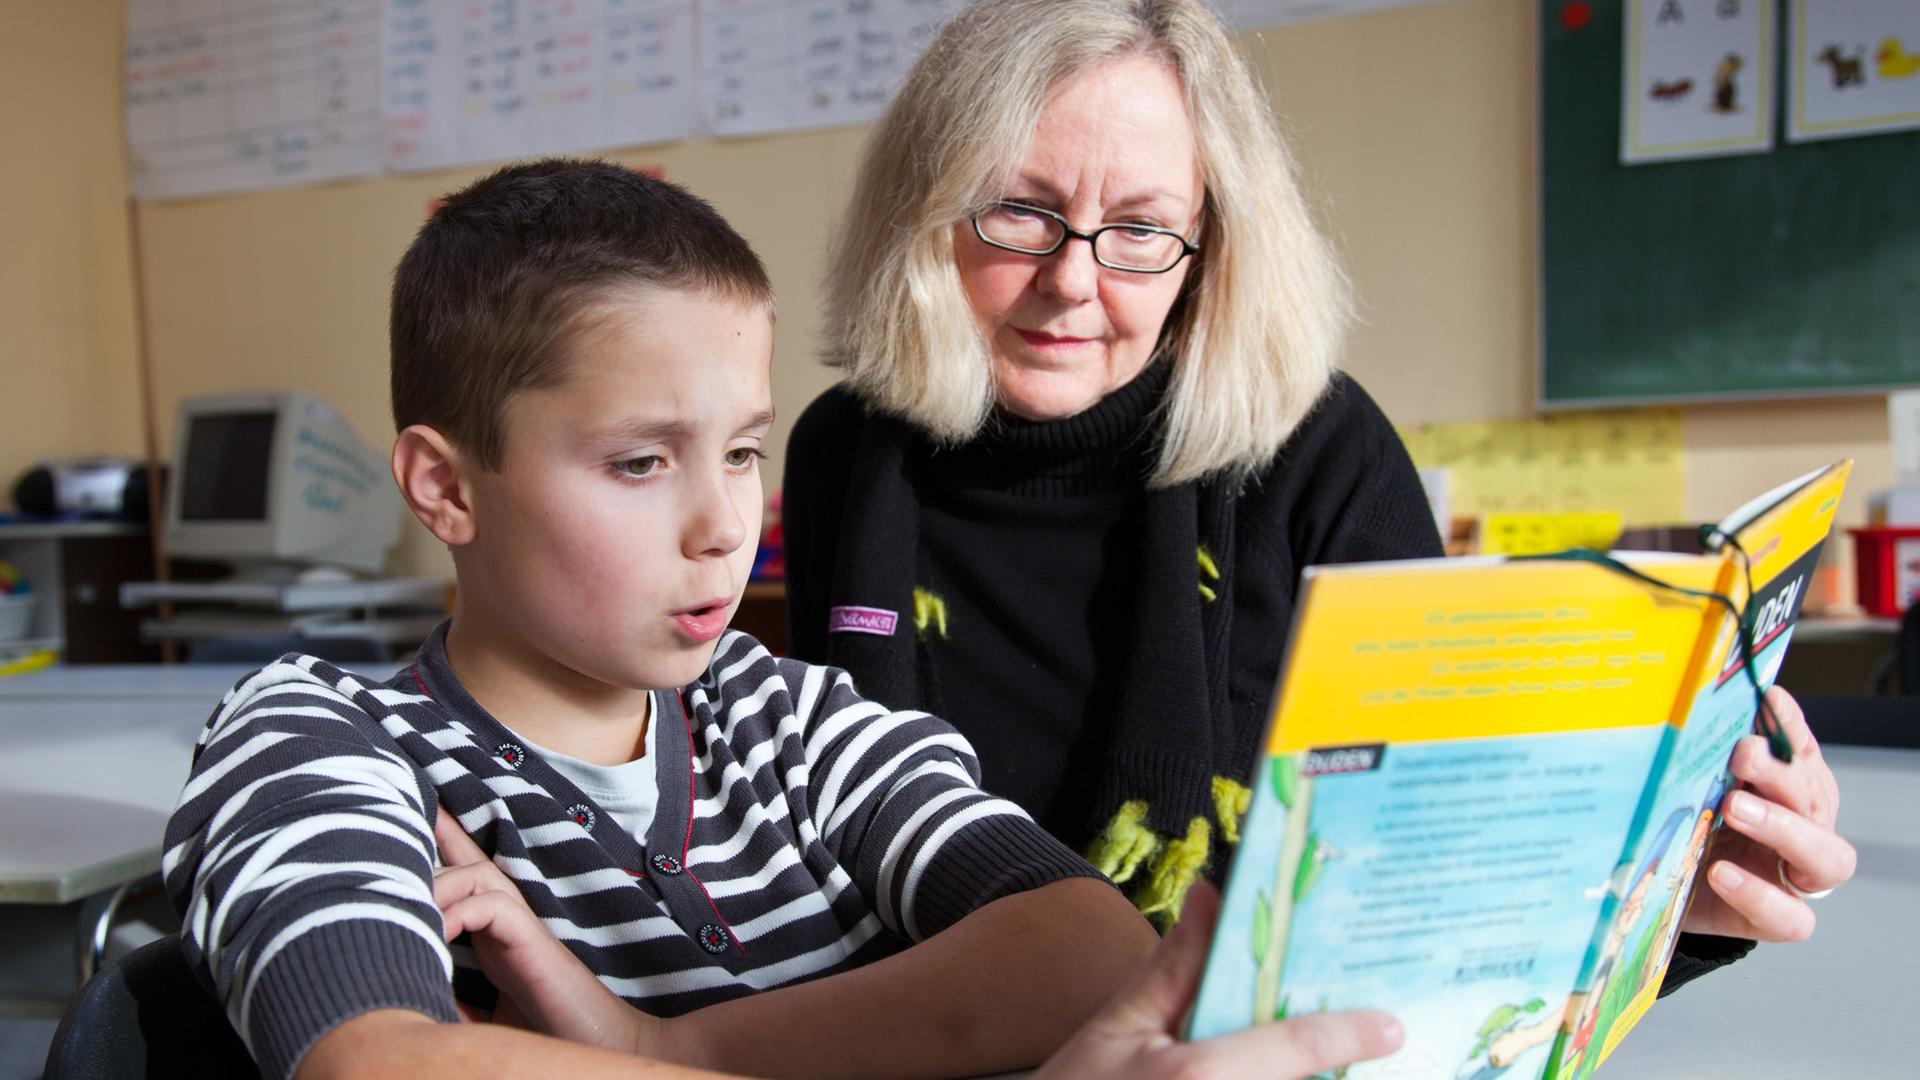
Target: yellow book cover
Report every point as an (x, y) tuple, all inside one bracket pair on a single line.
[(1468, 777)]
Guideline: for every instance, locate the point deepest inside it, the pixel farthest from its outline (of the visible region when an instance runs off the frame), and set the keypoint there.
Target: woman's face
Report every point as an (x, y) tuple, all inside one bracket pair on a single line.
[(1114, 145)]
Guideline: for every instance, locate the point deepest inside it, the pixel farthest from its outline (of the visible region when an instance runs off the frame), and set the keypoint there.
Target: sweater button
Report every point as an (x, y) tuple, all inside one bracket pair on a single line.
[(667, 864), (713, 938)]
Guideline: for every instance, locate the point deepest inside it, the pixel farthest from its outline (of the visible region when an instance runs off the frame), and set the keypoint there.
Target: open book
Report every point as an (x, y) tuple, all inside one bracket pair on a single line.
[(1487, 787)]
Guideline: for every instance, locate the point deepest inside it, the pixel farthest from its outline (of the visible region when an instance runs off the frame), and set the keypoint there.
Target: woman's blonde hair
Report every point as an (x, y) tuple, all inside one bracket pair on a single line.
[(1256, 332)]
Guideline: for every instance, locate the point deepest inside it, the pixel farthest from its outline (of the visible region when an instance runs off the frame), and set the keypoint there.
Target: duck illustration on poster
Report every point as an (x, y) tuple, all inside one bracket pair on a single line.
[(1894, 61)]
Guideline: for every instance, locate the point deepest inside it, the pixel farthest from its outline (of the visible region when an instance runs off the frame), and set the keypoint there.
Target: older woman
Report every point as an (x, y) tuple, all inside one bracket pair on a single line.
[(1091, 430)]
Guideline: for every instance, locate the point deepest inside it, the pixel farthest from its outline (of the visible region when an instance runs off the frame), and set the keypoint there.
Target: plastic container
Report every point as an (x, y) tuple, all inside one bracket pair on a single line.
[(16, 616), (1887, 564)]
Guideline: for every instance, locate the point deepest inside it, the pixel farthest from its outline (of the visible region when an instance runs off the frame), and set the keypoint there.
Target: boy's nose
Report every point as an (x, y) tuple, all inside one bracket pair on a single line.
[(715, 526)]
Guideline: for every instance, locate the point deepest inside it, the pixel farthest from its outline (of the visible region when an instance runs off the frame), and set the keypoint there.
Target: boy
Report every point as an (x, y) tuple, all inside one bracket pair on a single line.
[(580, 373)]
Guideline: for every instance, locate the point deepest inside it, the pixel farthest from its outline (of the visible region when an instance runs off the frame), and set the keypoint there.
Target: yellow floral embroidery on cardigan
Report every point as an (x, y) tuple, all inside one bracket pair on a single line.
[(1162, 869), (1209, 571), (929, 612)]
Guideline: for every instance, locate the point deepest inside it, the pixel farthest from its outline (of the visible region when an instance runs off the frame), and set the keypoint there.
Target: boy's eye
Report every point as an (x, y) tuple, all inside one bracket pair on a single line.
[(639, 466), (741, 457)]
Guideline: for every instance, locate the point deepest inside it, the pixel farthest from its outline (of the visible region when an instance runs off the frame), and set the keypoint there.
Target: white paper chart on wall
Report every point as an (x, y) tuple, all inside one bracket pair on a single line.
[(226, 95), (471, 81), (232, 95), (769, 65)]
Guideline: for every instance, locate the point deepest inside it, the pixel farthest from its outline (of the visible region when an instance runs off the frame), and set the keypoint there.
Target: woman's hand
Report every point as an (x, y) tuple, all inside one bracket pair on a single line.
[(1780, 812), (1136, 1035), (542, 985)]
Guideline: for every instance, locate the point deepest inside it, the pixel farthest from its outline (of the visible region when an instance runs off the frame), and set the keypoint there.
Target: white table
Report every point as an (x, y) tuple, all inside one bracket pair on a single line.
[(191, 683), (85, 789), (92, 758)]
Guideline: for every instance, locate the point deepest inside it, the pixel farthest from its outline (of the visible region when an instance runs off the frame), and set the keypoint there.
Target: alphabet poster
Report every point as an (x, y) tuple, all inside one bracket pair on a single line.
[(1856, 68), (1698, 79)]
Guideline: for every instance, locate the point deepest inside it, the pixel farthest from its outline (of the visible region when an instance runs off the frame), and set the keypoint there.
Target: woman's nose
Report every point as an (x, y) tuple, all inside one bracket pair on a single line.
[(1070, 274)]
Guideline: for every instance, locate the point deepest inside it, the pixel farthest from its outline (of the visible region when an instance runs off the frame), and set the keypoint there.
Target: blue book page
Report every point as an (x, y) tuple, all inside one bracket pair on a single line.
[(1653, 883), (1455, 884)]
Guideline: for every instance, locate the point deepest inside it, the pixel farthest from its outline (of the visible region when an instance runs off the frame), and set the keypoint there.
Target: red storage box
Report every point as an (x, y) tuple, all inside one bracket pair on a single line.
[(1887, 562)]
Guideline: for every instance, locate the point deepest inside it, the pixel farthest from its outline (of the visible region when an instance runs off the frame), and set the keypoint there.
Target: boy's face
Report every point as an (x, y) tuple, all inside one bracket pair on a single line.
[(614, 542)]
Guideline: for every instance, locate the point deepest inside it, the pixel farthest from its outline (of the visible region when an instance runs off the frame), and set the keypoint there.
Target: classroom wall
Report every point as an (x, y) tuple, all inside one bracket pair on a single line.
[(1414, 128), (67, 376)]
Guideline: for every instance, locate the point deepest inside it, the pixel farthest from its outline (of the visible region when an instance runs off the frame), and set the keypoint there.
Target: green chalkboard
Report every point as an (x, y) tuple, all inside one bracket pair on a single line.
[(1791, 272)]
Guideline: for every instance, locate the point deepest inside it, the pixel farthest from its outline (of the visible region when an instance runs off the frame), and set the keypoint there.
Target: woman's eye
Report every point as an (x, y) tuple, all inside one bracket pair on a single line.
[(640, 466), (1019, 211), (743, 456)]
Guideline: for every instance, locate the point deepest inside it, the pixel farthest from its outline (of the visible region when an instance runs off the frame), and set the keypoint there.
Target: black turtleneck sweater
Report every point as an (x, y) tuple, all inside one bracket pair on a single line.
[(1033, 530), (1033, 535)]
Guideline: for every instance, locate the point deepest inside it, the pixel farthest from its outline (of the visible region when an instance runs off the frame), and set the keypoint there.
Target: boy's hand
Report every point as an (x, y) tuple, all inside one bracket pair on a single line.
[(542, 985), (1780, 821), (1136, 1036)]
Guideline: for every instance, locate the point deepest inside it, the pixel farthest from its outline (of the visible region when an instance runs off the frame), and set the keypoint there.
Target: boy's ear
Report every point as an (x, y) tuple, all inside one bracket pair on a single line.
[(431, 474)]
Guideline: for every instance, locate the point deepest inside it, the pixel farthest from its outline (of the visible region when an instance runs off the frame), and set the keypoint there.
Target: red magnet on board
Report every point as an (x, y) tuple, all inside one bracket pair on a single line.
[(1576, 14)]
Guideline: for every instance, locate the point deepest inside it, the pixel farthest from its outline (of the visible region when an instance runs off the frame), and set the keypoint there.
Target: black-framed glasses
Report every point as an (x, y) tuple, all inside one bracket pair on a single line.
[(1029, 230)]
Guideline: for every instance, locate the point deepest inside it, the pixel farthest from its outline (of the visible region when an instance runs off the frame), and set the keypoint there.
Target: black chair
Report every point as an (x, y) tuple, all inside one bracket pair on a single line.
[(146, 1016)]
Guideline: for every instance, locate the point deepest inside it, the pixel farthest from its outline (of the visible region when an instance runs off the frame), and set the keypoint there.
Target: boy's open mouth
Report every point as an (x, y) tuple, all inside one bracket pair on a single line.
[(704, 621)]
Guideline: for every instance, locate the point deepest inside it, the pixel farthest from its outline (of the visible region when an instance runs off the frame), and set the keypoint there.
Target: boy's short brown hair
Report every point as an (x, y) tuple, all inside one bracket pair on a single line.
[(494, 284)]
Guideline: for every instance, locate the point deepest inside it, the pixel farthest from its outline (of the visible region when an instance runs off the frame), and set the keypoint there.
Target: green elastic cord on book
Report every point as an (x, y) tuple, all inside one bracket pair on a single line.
[(1769, 724)]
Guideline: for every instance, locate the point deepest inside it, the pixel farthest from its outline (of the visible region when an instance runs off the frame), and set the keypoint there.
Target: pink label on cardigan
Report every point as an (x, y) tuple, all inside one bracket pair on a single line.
[(862, 620)]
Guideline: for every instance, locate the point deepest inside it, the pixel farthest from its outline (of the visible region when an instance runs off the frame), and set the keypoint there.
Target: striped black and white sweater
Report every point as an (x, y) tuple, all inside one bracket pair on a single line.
[(801, 831)]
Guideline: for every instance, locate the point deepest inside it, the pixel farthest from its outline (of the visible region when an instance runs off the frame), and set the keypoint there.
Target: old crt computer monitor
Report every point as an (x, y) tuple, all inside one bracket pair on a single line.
[(275, 483)]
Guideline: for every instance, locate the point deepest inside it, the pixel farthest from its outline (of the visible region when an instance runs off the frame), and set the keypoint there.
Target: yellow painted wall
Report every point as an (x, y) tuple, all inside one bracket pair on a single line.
[(1415, 129), (67, 376)]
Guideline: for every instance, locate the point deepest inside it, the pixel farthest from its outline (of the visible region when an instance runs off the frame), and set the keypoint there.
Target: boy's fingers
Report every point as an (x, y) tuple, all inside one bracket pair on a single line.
[(461, 916), (1819, 857), (1302, 1046), (484, 913), (456, 847), (1772, 914), (1155, 1001), (454, 883)]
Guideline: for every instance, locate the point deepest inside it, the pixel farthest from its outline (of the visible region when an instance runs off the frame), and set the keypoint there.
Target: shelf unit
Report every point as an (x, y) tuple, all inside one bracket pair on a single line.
[(76, 568)]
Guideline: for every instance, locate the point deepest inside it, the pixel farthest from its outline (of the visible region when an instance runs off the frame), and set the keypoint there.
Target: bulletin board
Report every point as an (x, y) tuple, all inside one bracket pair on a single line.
[(1786, 273)]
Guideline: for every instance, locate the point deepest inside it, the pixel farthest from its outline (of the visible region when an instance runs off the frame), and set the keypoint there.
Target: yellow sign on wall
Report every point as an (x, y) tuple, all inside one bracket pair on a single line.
[(1621, 462)]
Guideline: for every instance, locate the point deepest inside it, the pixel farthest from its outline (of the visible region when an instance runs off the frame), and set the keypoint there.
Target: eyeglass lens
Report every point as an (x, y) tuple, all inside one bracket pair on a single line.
[(1039, 234)]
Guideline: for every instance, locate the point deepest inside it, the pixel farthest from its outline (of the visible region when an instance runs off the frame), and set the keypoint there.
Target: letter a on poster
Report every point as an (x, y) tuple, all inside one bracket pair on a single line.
[(1697, 79)]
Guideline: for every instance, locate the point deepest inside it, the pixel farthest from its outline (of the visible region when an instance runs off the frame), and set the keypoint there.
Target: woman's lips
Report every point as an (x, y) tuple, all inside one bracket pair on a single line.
[(1050, 343)]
